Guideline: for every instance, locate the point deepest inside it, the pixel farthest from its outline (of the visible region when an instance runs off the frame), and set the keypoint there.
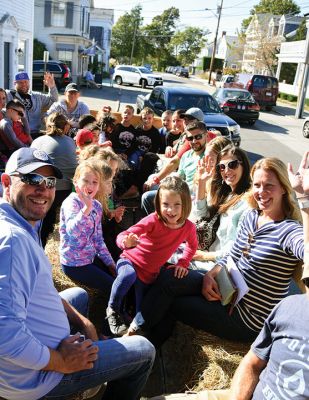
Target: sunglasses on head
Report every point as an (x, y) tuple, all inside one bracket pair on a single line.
[(37, 179), (20, 113), (230, 165), (196, 137)]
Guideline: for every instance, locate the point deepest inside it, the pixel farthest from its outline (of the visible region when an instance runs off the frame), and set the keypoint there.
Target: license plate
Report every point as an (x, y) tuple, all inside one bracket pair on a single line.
[(268, 94)]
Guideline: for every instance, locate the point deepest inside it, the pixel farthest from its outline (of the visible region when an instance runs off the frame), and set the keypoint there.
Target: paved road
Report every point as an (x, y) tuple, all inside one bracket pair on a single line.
[(276, 133)]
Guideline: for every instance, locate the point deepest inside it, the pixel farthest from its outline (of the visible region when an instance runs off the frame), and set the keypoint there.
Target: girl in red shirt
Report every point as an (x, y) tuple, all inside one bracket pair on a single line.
[(149, 244)]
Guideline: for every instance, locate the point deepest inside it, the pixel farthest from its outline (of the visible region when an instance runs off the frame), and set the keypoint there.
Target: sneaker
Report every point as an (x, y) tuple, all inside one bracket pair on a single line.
[(89, 393), (116, 322)]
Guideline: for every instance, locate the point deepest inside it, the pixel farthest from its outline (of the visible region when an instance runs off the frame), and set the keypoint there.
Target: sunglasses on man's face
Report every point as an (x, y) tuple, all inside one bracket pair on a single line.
[(230, 165), (195, 137), (37, 179), (20, 113)]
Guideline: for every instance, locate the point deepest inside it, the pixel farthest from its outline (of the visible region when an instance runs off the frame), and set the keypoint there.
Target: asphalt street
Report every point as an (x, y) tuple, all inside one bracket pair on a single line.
[(276, 133)]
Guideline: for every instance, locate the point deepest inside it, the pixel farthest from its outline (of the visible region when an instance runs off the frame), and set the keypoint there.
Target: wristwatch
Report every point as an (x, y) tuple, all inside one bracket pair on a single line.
[(303, 204)]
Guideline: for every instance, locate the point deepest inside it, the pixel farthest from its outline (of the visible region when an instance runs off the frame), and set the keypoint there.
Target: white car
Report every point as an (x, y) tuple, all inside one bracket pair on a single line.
[(225, 81), (306, 128), (136, 76)]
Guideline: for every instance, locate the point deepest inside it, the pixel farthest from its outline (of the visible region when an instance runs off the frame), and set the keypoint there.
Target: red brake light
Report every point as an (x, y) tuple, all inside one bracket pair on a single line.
[(228, 104), (249, 86), (254, 107), (66, 75)]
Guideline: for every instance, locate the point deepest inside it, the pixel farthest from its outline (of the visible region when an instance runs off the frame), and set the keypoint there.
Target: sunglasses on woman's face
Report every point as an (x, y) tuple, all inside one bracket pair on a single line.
[(230, 165), (37, 179), (195, 137)]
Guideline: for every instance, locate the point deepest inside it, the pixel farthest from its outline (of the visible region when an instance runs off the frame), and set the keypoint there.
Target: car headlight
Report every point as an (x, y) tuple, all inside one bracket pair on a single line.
[(235, 129)]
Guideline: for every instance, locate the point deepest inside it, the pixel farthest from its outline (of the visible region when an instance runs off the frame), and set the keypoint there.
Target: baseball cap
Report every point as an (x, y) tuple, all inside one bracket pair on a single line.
[(194, 112), (27, 160), (22, 76), (84, 136), (71, 87)]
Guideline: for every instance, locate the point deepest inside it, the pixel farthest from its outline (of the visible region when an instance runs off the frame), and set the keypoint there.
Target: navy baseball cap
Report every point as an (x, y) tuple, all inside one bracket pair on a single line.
[(27, 160), (22, 76)]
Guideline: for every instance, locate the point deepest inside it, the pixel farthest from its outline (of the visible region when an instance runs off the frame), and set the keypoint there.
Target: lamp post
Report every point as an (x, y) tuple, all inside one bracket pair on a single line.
[(219, 10)]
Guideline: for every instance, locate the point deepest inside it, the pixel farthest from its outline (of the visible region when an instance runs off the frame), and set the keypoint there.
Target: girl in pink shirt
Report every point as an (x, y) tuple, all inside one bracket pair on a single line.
[(149, 244)]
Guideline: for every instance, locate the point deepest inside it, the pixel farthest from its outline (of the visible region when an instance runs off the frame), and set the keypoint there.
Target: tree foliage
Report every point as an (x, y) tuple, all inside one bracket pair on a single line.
[(158, 34), (301, 31), (276, 7), (189, 43), (125, 35), (38, 49)]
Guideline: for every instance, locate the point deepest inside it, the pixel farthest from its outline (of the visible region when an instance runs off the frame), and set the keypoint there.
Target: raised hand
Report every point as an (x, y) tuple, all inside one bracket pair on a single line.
[(49, 80), (300, 180), (85, 198), (205, 168)]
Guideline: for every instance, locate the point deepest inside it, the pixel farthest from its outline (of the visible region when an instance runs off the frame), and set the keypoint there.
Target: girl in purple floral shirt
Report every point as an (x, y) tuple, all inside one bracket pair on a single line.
[(83, 254)]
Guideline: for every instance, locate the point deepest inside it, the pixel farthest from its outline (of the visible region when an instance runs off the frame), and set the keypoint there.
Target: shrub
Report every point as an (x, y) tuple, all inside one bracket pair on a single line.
[(283, 96), (291, 97)]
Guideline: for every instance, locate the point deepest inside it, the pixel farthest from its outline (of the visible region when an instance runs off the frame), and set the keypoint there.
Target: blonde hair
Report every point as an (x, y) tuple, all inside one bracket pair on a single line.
[(273, 164), (179, 186), (55, 124), (106, 173), (91, 164), (102, 153)]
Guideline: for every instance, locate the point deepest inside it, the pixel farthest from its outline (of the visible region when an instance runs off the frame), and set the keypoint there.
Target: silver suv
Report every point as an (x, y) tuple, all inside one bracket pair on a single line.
[(136, 76)]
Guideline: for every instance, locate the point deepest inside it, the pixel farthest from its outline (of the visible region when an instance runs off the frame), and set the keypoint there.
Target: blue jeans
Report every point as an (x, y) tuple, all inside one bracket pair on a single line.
[(126, 277), (124, 363), (147, 201)]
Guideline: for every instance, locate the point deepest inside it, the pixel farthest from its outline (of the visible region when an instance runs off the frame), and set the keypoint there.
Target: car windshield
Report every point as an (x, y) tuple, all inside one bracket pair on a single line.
[(144, 70), (184, 101), (237, 94)]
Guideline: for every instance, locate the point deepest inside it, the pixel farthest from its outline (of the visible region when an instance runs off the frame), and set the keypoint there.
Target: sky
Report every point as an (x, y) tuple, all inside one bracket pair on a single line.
[(193, 13)]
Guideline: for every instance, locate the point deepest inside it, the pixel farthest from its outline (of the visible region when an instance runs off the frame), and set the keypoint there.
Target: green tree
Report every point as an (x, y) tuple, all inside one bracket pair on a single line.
[(189, 43), (38, 49), (158, 35), (276, 7), (301, 31), (126, 36)]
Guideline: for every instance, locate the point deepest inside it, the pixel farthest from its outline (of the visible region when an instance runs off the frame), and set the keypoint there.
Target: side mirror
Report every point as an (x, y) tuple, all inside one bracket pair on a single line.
[(225, 109)]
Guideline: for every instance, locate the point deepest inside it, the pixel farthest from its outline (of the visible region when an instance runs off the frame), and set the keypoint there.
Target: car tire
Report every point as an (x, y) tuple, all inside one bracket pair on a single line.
[(252, 122), (268, 108), (118, 80), (138, 111), (306, 129), (143, 83)]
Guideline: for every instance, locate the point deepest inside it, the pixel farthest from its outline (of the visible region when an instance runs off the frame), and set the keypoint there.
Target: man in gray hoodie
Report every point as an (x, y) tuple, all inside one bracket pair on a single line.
[(34, 102)]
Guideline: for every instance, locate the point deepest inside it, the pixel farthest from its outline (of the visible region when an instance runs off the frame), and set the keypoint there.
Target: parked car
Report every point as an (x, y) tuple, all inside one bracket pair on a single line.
[(136, 76), (263, 88), (182, 71), (306, 128), (174, 98), (61, 71), (238, 104), (225, 81)]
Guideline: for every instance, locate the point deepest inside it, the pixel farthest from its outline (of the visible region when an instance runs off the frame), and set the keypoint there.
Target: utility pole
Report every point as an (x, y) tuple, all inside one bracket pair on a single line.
[(219, 10), (133, 43), (305, 76)]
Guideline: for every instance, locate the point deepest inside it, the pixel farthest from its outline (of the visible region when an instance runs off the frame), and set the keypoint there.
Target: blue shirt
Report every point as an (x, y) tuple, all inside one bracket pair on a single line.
[(32, 317)]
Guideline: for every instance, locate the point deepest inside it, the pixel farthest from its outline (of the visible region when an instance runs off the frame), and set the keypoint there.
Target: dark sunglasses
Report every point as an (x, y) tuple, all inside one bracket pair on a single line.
[(20, 113), (230, 165), (196, 137), (37, 179)]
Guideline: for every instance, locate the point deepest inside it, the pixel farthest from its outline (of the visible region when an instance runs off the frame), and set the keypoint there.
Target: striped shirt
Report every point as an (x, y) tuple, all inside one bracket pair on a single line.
[(266, 257)]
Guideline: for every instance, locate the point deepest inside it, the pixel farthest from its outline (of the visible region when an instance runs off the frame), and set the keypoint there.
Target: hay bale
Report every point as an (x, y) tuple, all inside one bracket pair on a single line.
[(215, 361)]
